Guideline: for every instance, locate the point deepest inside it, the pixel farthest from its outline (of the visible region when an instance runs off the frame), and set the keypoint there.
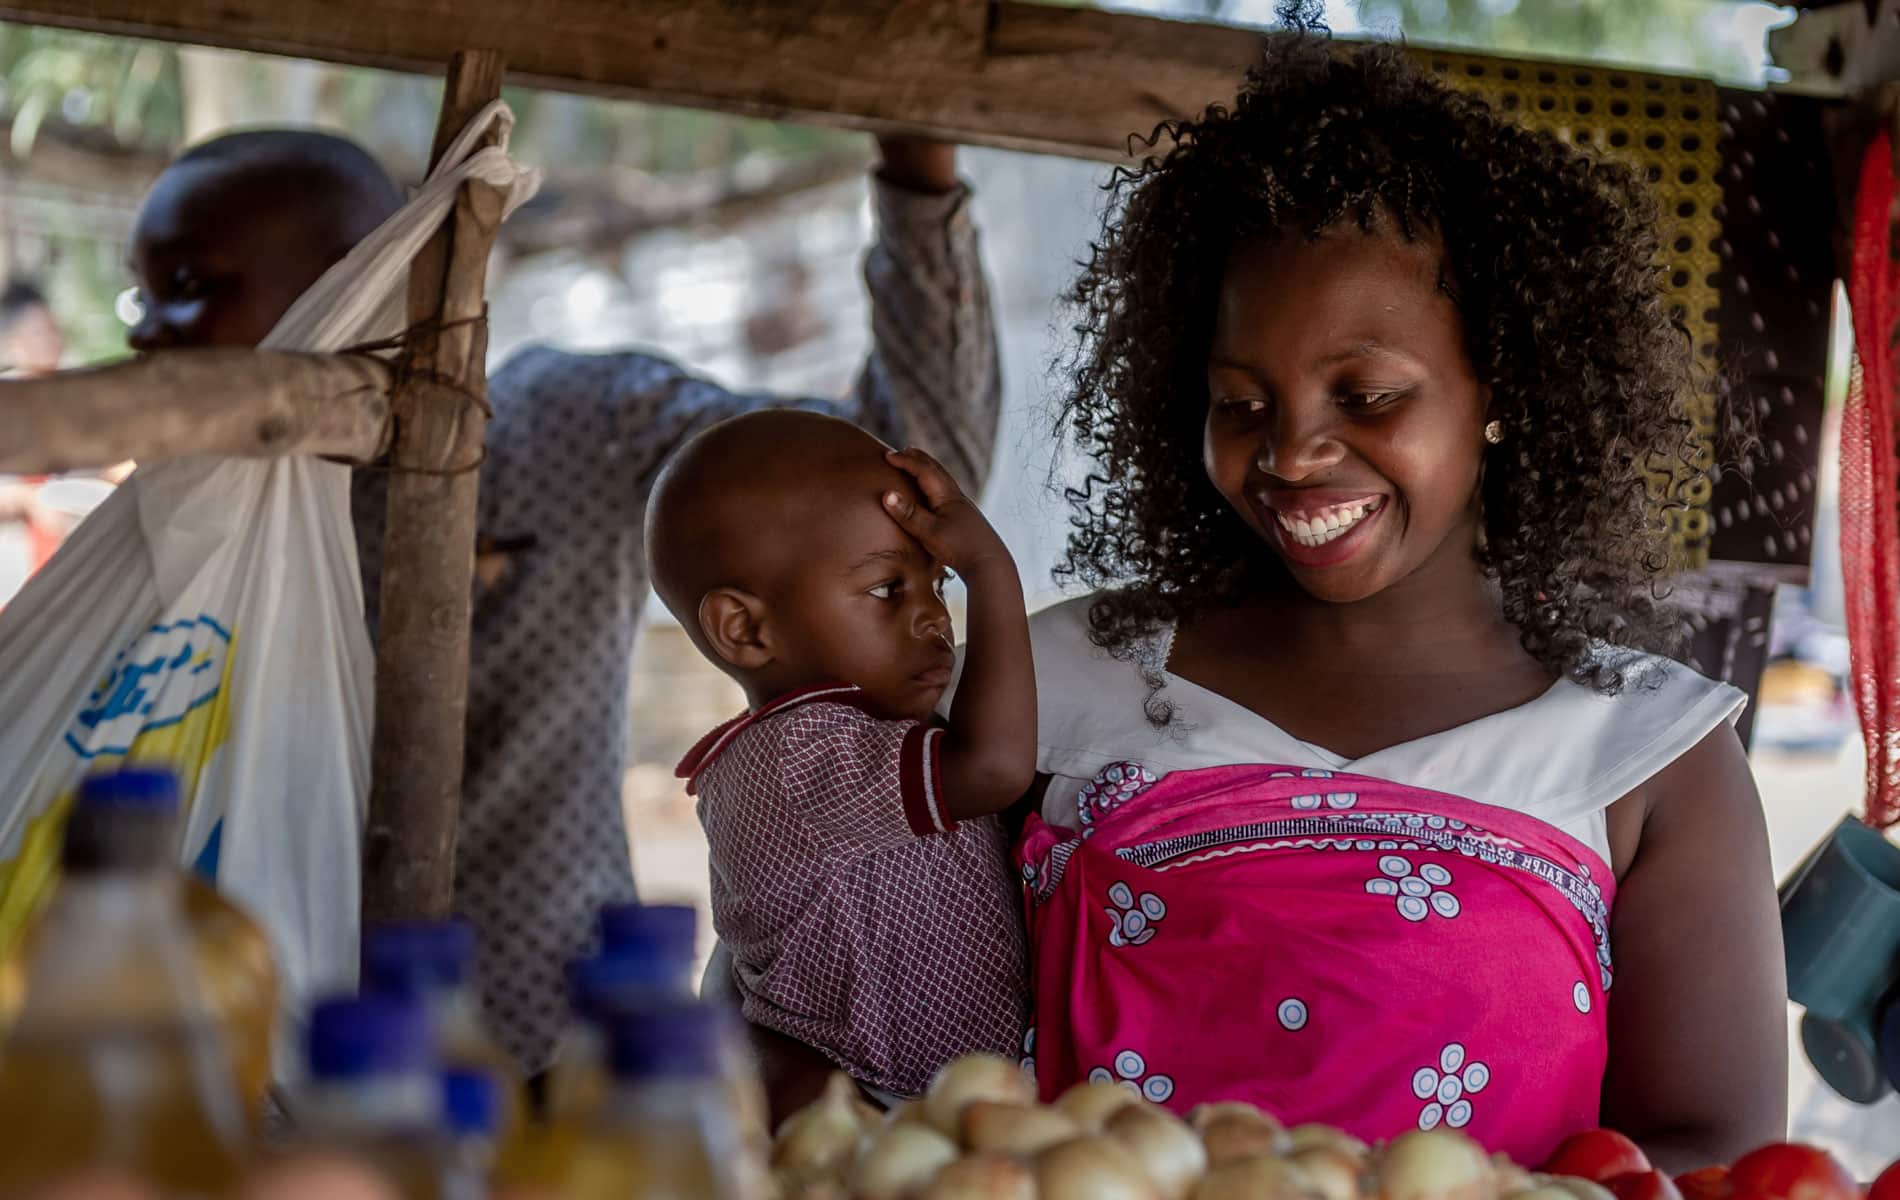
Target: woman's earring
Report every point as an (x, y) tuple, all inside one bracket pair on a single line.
[(1494, 432)]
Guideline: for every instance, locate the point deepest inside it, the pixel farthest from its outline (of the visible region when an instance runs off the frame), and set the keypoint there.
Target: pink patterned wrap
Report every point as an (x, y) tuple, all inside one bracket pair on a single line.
[(1330, 947)]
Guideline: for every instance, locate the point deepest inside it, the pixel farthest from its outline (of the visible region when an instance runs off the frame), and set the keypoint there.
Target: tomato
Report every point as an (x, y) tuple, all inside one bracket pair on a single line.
[(1643, 1185), (1597, 1155), (1707, 1183), (1887, 1187), (1789, 1172)]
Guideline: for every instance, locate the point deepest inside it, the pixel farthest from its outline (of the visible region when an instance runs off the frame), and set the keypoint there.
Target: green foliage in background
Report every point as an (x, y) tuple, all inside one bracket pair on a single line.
[(127, 89), (121, 95)]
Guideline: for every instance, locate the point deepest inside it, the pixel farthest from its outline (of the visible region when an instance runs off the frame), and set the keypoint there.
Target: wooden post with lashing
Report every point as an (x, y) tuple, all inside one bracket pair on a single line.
[(429, 543)]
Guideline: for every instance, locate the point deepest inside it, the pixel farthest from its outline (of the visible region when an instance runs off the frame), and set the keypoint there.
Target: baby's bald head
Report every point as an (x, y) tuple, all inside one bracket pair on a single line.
[(238, 227), (735, 505), (769, 538)]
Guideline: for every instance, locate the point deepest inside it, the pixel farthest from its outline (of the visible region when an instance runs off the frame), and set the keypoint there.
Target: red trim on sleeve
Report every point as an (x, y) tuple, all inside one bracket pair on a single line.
[(920, 781)]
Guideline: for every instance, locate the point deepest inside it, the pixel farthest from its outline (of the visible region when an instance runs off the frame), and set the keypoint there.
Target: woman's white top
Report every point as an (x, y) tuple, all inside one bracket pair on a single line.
[(1564, 757)]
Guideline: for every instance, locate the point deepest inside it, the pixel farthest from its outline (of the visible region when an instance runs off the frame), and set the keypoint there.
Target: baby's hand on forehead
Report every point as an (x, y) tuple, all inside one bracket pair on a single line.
[(947, 524)]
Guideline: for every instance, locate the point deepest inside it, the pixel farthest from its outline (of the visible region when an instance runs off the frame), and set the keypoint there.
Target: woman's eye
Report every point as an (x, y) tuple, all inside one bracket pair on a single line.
[(1366, 401), (885, 591), (1243, 406)]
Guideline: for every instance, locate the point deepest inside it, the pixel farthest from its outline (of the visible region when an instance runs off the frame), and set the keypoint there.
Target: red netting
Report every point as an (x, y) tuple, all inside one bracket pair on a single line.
[(1870, 481)]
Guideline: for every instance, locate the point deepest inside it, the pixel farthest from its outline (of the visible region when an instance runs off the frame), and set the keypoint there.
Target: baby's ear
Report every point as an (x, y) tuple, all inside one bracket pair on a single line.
[(732, 622)]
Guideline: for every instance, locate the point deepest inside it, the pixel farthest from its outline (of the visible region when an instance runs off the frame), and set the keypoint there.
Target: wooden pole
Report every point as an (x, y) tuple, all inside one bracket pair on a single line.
[(248, 403), (429, 543)]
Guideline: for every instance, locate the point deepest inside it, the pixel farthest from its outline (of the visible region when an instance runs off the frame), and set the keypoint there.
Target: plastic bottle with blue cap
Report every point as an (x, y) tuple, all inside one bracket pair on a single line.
[(240, 973), (117, 1057), (472, 1106), (432, 962), (374, 1090), (646, 957), (666, 1127)]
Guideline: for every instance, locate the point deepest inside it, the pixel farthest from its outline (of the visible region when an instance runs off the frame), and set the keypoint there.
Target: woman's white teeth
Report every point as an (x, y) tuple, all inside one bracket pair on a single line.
[(1318, 528)]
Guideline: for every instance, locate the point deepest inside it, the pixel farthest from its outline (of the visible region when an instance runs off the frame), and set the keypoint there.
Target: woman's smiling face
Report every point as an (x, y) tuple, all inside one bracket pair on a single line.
[(1344, 421)]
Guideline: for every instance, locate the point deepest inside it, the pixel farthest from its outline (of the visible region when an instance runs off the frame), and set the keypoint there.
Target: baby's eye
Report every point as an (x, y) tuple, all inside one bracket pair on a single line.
[(186, 286), (942, 581)]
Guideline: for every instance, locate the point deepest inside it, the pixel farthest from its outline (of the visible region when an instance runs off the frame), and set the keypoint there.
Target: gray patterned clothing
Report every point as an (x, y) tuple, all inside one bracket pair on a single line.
[(572, 451)]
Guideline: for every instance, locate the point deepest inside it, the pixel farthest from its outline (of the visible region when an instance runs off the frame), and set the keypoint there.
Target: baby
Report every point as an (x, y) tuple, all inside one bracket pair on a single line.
[(860, 873)]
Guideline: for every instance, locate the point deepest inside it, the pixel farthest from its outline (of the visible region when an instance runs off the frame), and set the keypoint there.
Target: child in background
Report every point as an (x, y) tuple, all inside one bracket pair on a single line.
[(859, 870)]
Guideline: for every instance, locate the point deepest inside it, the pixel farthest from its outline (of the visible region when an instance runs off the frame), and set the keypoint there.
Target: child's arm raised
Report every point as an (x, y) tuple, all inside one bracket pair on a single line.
[(988, 757)]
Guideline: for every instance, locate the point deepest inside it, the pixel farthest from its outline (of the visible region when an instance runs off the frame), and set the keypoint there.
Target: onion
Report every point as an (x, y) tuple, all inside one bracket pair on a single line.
[(1575, 1188), (1202, 1115), (1307, 1137), (907, 1112), (1544, 1191), (1438, 1164), (1233, 1130), (1512, 1179), (810, 1189), (1091, 1168), (982, 1177), (1015, 1128), (1171, 1156), (1337, 1174), (1262, 1177), (971, 1078), (900, 1159), (820, 1138), (1092, 1102)]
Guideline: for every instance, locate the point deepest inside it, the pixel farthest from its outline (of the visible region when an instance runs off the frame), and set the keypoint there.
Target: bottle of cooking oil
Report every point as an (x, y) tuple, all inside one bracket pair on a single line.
[(374, 1091), (116, 1057), (431, 962), (471, 1127), (241, 980), (668, 933), (646, 957), (666, 1129), (646, 960)]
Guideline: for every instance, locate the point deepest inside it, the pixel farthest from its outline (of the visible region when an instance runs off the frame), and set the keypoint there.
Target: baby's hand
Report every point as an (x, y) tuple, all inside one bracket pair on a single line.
[(947, 525)]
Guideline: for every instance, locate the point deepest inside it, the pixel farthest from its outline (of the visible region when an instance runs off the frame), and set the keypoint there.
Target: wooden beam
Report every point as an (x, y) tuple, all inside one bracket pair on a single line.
[(1007, 73), (251, 403), (429, 542)]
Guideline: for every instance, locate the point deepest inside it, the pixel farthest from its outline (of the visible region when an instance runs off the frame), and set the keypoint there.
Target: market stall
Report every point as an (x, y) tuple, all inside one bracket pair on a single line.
[(1757, 192)]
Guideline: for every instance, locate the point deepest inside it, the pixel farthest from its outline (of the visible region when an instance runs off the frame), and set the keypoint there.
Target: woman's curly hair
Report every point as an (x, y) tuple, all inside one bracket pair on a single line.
[(1551, 256)]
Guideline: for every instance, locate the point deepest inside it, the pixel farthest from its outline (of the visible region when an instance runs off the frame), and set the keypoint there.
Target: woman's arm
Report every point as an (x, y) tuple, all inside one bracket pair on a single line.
[(793, 1073), (1698, 1070)]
